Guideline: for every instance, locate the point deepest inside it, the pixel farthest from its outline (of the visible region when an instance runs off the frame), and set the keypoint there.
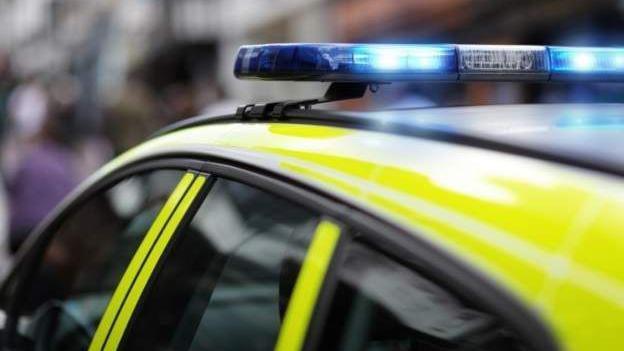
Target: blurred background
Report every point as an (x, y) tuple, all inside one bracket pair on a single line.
[(82, 81)]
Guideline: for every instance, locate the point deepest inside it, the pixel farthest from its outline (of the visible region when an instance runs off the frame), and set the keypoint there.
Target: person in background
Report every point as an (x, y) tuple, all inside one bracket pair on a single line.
[(43, 176), (6, 87), (5, 254), (7, 83), (27, 108), (132, 118)]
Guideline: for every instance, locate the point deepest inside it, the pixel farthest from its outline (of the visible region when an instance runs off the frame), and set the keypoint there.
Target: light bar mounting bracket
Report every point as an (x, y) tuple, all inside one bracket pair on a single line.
[(337, 91)]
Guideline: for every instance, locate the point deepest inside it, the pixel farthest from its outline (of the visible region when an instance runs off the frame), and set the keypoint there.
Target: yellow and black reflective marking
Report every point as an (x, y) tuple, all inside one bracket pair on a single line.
[(126, 296), (307, 288)]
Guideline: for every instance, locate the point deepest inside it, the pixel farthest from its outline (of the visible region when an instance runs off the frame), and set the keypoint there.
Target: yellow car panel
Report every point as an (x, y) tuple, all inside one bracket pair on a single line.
[(308, 286), (533, 226)]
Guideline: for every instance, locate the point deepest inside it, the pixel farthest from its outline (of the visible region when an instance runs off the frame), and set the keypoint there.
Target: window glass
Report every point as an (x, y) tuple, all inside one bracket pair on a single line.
[(227, 281), (381, 305), (85, 260)]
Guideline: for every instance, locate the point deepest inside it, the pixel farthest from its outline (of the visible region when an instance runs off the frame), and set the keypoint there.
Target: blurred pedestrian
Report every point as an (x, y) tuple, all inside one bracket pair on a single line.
[(5, 257), (43, 176), (6, 87), (26, 112), (7, 83), (132, 118)]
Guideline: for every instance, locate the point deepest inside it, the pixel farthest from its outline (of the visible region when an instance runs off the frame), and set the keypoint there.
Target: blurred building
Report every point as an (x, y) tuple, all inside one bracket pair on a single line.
[(191, 42), (183, 49)]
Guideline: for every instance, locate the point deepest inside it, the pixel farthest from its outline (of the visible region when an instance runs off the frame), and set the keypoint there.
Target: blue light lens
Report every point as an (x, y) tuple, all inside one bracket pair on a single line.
[(347, 62), (583, 62), (404, 58)]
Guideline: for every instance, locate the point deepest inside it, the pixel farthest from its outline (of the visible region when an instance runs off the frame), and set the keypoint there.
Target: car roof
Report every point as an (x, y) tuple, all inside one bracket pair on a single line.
[(590, 132), (585, 135)]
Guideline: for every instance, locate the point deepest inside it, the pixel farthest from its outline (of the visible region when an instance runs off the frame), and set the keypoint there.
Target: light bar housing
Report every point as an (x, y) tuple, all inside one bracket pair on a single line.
[(380, 63)]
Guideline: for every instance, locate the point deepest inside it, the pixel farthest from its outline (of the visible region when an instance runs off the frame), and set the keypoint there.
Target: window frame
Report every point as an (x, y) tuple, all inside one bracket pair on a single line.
[(29, 257), (389, 237)]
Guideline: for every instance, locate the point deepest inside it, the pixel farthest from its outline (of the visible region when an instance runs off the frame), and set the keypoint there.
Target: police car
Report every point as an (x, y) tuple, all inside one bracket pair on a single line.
[(286, 227)]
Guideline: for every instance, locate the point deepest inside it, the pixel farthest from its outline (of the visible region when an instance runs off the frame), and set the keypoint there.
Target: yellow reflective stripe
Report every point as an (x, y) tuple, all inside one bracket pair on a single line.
[(137, 260), (150, 263), (307, 287)]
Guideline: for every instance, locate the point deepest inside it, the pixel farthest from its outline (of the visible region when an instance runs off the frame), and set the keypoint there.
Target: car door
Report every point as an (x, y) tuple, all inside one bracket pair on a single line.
[(60, 289), (253, 270)]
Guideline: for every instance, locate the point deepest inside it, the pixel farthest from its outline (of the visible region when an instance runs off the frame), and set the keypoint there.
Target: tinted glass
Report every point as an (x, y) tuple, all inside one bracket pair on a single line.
[(381, 305), (85, 260), (228, 279)]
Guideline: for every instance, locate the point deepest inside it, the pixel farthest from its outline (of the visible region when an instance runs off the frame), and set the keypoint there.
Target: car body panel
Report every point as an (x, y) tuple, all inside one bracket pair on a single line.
[(532, 226)]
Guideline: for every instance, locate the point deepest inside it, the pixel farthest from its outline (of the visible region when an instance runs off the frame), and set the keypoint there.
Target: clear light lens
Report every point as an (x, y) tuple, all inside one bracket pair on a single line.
[(474, 59), (587, 60)]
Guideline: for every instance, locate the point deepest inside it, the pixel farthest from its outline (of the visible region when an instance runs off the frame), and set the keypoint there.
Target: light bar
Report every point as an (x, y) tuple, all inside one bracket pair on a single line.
[(386, 63)]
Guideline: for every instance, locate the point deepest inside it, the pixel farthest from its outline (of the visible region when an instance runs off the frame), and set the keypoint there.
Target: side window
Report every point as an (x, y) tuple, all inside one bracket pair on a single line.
[(85, 260), (227, 281), (382, 305)]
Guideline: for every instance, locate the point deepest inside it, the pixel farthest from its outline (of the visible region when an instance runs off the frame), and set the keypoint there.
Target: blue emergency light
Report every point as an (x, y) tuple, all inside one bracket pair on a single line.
[(379, 63), (585, 62)]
